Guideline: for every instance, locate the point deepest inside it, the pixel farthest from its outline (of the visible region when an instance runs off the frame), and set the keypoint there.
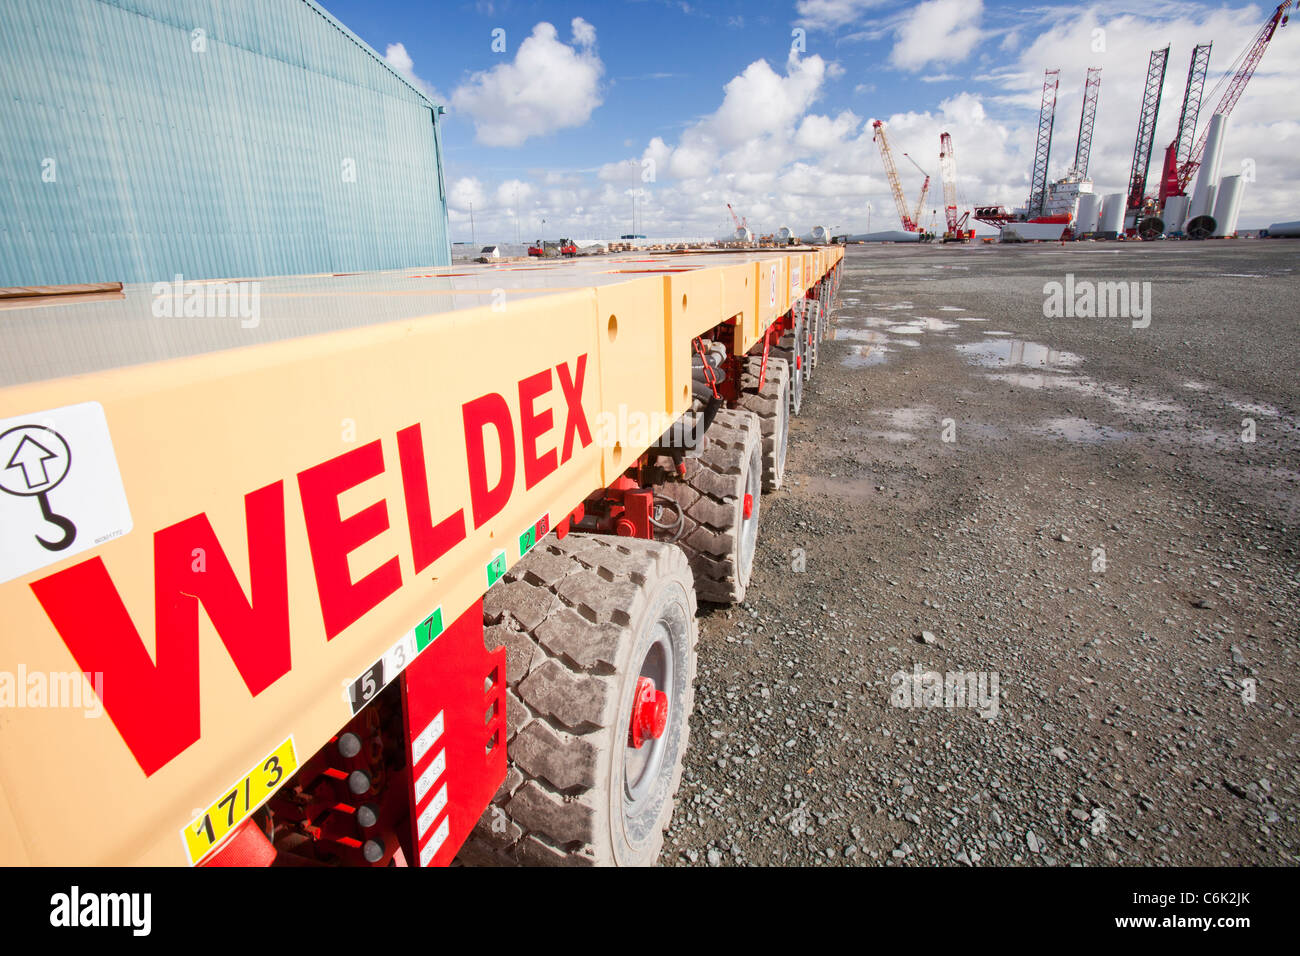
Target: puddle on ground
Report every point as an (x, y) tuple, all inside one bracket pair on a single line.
[(991, 332), (950, 308), (1003, 353), (842, 487), (1196, 386), (906, 330), (928, 323), (897, 305), (860, 335), (865, 356), (969, 318), (1080, 430), (1121, 398)]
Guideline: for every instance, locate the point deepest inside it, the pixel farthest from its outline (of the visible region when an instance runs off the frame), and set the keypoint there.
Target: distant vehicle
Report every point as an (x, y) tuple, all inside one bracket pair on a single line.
[(549, 249), (631, 236)]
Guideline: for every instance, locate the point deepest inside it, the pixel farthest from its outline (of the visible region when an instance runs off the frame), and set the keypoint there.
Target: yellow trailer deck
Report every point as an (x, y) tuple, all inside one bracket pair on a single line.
[(333, 468)]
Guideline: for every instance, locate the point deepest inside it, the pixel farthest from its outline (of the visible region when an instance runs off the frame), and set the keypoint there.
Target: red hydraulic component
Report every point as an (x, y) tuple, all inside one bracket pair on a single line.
[(247, 845), (748, 506), (638, 507), (649, 712)]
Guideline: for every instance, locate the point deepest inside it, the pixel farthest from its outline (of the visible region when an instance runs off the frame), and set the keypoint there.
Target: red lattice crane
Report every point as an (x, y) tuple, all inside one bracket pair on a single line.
[(948, 173), (1147, 118), (1043, 145), (742, 225), (891, 173), (1235, 88), (925, 191), (1087, 119)]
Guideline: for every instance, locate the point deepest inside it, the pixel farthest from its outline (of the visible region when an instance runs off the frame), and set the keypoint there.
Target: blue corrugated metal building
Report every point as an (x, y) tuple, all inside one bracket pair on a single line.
[(144, 139)]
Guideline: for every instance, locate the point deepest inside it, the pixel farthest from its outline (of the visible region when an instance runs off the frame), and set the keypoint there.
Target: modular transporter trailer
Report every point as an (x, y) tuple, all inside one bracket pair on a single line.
[(379, 569)]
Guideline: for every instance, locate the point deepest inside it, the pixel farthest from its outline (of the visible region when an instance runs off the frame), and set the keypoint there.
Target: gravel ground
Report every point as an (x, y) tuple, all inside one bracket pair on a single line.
[(1096, 534)]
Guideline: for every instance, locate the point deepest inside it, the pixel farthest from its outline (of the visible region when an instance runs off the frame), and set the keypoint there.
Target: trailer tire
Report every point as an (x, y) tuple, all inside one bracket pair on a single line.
[(771, 404), (790, 348), (581, 620), (719, 538), (812, 315)]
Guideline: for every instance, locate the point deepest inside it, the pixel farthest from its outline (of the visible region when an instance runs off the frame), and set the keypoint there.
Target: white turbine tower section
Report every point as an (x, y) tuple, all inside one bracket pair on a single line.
[(1227, 205), (1112, 214), (1207, 179), (1175, 214), (1089, 214)]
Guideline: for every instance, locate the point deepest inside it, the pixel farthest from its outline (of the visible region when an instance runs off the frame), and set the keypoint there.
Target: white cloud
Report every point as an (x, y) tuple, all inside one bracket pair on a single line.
[(397, 57), (760, 101), (549, 86), (942, 31), (465, 193), (829, 14), (819, 133)]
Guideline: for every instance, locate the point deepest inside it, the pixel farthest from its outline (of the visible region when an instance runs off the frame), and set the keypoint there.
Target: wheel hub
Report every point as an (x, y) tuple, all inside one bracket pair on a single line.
[(649, 713)]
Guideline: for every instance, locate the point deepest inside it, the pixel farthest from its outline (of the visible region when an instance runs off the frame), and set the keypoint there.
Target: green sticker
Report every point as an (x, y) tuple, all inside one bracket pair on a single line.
[(527, 540), (427, 631), (496, 567)]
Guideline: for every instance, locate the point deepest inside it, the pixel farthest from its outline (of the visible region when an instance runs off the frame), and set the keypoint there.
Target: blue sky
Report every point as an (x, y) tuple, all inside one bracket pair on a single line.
[(711, 99)]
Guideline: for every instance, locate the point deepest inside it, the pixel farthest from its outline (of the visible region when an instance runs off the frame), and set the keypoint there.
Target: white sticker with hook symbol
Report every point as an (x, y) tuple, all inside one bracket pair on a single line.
[(60, 489)]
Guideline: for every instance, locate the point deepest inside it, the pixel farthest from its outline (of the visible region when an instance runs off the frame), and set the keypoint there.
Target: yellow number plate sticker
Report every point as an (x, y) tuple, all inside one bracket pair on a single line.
[(213, 825)]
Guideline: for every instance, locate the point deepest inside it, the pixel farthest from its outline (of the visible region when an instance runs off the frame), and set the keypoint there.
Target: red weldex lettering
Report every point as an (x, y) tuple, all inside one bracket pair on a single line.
[(155, 707), (154, 701), (332, 537)]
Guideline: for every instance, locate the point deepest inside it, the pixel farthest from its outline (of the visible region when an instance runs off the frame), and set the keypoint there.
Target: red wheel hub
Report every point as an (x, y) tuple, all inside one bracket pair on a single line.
[(649, 713), (748, 506)]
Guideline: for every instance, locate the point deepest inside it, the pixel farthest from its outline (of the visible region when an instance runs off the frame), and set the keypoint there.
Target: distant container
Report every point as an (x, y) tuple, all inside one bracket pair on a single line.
[(1176, 214), (896, 235), (1285, 230), (1112, 215), (1089, 214), (1227, 205)]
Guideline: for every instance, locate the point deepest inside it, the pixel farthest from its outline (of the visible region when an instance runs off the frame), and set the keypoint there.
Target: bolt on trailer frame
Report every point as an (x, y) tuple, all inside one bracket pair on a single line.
[(235, 521)]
